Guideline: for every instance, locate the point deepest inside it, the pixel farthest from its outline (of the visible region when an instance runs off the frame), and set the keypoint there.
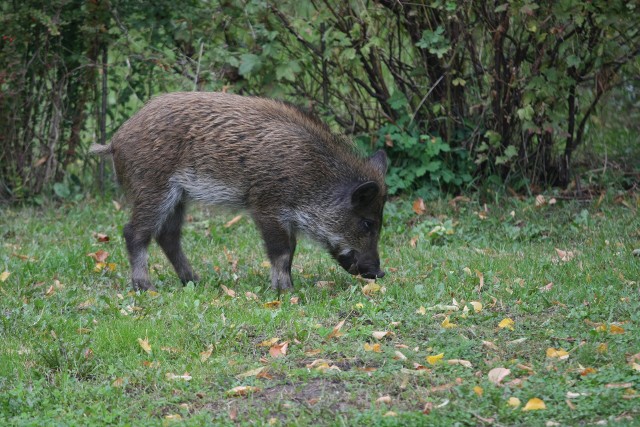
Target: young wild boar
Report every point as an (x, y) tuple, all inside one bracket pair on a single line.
[(282, 166)]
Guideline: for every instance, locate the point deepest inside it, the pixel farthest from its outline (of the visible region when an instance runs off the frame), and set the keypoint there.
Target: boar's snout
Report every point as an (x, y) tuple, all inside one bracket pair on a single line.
[(356, 263)]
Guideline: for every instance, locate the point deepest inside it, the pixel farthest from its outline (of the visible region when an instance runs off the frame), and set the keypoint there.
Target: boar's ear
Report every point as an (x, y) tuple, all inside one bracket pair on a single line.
[(379, 160), (364, 193)]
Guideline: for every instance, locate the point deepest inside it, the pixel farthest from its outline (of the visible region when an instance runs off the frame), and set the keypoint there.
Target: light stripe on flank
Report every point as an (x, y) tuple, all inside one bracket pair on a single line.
[(208, 190)]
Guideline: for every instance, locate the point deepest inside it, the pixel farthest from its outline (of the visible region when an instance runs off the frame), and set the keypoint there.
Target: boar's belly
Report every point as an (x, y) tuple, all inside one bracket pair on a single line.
[(208, 190)]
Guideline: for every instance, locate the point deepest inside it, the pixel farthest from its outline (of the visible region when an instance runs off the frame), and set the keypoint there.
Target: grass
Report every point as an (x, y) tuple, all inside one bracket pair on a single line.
[(71, 353)]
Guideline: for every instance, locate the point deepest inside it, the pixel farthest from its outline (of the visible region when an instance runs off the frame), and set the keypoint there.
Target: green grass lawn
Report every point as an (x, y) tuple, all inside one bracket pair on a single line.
[(79, 348)]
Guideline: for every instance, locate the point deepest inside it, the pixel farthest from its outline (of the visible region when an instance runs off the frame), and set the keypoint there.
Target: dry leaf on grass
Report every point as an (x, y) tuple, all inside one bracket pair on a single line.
[(242, 390), (496, 375), (144, 344), (336, 330)]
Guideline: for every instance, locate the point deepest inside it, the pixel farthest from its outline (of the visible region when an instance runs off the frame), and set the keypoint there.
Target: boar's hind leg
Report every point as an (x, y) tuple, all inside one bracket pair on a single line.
[(138, 237), (169, 240), (280, 245)]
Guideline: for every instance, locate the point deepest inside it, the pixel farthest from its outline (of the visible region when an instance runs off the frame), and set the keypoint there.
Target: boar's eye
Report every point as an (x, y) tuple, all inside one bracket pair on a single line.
[(367, 224)]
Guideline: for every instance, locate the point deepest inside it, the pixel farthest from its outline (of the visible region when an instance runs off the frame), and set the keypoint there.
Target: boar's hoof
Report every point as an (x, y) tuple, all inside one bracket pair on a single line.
[(143, 285)]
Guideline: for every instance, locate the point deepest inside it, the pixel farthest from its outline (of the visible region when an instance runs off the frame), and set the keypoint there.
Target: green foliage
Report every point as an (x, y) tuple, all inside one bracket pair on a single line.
[(508, 91)]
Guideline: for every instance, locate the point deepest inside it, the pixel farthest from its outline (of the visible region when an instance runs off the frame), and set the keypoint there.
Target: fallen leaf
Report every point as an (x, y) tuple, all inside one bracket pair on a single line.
[(251, 296), (384, 399), (447, 324), (565, 255), (421, 310), (432, 360), (336, 330), (144, 344), (478, 390), (414, 241), (490, 345), (547, 287), (173, 417), (587, 371), (233, 221), (390, 414), (279, 350), (251, 373), (619, 385), (4, 276), (102, 238), (86, 304), (506, 323), (514, 402), (496, 375), (313, 352), (635, 366), (99, 256), (173, 377), (371, 288), (540, 200), (294, 300), (615, 329), (376, 348), (559, 354), (381, 334), (419, 207), (272, 304), (117, 206), (534, 405), (229, 292), (118, 382), (241, 390), (400, 356), (461, 362), (323, 284), (206, 354)]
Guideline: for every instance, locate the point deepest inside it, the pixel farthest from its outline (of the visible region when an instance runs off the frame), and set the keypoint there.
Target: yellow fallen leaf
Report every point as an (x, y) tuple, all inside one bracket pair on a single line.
[(514, 402), (173, 417), (272, 304), (635, 366), (205, 355), (144, 344), (432, 360), (447, 324), (4, 276), (477, 306), (534, 405), (615, 329), (241, 390), (478, 390), (506, 323), (251, 373), (557, 353), (370, 288), (421, 311), (269, 342), (602, 348), (372, 347), (390, 414)]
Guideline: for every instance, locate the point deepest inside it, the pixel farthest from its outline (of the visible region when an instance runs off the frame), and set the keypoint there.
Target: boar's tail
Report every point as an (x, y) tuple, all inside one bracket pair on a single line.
[(101, 150)]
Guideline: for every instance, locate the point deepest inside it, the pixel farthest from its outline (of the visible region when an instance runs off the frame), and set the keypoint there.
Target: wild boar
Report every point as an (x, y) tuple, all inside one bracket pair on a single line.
[(281, 165)]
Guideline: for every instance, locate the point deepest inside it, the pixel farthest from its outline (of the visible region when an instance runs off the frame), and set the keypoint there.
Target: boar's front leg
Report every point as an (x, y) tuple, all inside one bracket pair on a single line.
[(280, 244)]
